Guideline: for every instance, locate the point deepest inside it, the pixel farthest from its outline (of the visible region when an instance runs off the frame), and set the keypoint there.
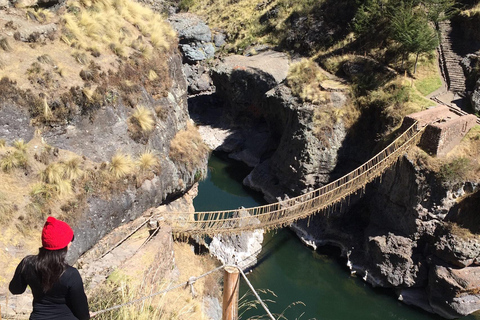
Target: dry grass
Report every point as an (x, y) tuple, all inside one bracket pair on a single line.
[(128, 283), (111, 24), (20, 145), (143, 119), (54, 176), (188, 148), (240, 19), (120, 165), (462, 163), (304, 80), (148, 160), (72, 168)]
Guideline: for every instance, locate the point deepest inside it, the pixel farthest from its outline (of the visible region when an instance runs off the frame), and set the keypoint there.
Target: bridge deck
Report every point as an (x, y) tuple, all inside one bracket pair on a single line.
[(285, 212)]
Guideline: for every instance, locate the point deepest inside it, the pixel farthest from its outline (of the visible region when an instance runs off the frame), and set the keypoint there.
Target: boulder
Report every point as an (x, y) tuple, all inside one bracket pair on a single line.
[(454, 292), (194, 51), (455, 249), (475, 97), (4, 4), (190, 28), (393, 264), (219, 39)]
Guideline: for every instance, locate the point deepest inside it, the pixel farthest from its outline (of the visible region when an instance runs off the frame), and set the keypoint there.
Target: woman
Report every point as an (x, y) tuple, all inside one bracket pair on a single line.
[(57, 287)]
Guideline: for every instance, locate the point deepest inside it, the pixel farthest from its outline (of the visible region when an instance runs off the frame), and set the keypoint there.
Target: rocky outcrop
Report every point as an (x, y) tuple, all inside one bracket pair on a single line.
[(395, 236), (301, 161), (279, 139), (196, 46), (238, 249), (97, 136), (194, 35)]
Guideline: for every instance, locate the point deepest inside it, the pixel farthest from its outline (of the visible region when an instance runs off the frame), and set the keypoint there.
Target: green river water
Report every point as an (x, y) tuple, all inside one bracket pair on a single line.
[(306, 284)]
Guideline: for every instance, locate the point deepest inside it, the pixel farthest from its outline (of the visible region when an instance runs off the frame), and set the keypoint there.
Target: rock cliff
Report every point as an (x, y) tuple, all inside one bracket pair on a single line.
[(395, 234)]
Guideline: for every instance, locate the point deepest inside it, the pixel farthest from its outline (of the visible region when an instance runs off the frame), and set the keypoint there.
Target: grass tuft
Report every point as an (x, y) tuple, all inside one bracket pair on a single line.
[(188, 148), (53, 173), (142, 117), (46, 59), (72, 168), (152, 75), (3, 143), (20, 145), (147, 160), (8, 162), (47, 112), (120, 165), (304, 79)]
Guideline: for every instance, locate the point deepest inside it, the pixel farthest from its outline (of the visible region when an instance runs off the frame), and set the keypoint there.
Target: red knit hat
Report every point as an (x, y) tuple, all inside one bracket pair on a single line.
[(56, 234)]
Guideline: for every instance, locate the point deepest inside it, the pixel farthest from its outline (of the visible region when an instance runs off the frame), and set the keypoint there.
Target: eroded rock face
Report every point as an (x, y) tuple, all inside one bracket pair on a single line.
[(15, 124), (98, 137), (454, 292), (395, 265), (457, 250), (301, 161), (281, 145), (238, 249), (194, 35)]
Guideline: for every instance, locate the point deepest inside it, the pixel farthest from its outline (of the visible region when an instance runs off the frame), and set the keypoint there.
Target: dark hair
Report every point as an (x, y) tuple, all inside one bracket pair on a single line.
[(50, 265)]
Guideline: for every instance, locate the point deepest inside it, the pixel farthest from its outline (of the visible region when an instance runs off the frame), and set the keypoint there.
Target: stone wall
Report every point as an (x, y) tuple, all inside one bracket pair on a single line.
[(444, 128)]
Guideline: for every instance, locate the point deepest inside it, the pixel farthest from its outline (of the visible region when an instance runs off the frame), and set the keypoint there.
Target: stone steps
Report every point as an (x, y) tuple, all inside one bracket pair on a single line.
[(451, 60)]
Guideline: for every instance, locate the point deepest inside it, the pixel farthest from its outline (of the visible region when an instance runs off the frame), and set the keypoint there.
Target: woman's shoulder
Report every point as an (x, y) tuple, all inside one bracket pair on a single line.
[(71, 272), (28, 261)]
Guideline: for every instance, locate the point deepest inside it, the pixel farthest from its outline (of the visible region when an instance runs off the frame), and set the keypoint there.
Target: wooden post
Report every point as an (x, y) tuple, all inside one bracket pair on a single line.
[(231, 284)]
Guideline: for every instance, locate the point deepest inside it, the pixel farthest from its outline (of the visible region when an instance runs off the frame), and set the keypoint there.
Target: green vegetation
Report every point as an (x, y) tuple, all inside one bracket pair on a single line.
[(455, 170)]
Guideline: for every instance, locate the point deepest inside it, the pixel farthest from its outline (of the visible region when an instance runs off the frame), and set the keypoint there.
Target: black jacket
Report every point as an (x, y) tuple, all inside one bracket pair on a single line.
[(66, 300)]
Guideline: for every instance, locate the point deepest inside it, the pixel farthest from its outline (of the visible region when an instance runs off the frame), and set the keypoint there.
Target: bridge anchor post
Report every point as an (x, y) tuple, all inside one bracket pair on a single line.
[(231, 284)]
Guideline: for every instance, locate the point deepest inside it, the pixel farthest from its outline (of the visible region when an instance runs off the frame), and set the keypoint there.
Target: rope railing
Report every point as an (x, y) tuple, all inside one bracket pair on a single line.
[(285, 212)]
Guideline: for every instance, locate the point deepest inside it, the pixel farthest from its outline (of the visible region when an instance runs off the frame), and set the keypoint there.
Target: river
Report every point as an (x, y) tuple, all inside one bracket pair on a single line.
[(302, 284)]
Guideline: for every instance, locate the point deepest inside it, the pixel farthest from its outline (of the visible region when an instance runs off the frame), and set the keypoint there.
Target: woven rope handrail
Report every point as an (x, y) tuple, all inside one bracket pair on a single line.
[(285, 212)]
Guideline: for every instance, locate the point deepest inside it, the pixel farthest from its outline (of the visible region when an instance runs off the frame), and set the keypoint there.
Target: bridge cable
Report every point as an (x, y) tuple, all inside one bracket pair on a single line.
[(254, 292)]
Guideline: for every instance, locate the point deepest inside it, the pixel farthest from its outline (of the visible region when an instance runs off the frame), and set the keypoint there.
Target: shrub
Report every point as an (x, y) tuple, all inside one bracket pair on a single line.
[(120, 165), (142, 117), (188, 148), (455, 170)]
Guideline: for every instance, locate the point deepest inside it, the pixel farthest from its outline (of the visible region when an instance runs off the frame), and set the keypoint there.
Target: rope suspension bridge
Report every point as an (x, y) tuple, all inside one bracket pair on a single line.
[(285, 212), (274, 216)]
